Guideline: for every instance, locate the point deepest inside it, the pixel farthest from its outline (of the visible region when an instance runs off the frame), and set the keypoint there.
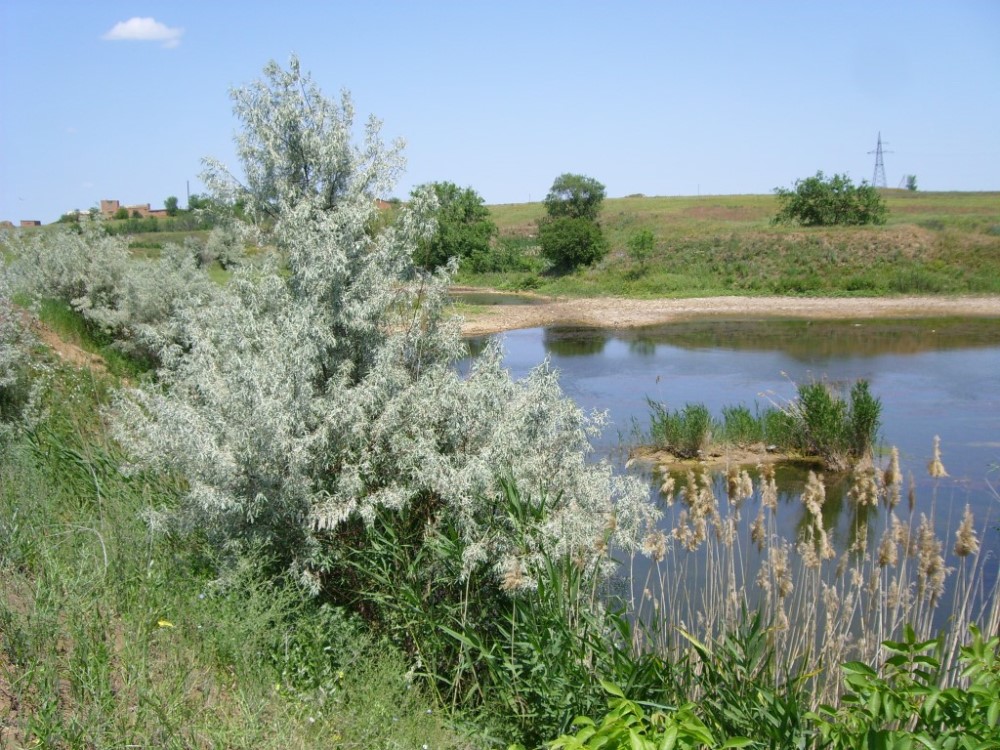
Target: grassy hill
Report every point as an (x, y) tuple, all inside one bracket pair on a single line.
[(933, 243)]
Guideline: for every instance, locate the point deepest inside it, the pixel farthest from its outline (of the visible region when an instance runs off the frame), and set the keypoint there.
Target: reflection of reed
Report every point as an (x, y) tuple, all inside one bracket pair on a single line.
[(806, 339)]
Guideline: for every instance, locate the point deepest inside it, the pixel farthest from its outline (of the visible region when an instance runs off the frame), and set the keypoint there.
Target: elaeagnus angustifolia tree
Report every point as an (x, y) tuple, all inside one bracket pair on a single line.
[(320, 391)]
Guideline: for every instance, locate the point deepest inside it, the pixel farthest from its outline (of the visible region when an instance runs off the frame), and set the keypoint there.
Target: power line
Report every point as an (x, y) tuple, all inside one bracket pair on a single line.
[(878, 179)]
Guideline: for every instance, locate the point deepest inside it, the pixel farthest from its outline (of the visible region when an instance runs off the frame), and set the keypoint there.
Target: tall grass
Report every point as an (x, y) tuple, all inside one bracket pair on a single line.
[(819, 423), (112, 636), (821, 607)]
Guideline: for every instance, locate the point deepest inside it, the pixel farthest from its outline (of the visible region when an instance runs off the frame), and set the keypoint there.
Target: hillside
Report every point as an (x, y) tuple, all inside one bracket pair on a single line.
[(933, 243)]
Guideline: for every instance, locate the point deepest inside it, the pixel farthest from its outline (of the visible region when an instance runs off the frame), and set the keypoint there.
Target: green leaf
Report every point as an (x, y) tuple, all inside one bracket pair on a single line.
[(612, 689), (857, 667)]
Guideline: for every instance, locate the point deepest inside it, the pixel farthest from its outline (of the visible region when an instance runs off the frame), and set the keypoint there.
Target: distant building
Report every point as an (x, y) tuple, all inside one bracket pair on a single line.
[(30, 223), (110, 207)]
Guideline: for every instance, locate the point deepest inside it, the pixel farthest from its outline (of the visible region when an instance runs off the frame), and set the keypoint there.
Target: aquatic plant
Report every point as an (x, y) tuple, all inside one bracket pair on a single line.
[(818, 423)]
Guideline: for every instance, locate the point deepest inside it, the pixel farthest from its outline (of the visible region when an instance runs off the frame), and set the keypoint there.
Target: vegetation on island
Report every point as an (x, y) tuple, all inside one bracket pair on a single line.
[(291, 521), (820, 423)]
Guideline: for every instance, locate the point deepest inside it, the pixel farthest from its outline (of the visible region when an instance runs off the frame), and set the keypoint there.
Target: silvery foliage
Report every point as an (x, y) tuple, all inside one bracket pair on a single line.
[(224, 246), (321, 390), (16, 396), (136, 301)]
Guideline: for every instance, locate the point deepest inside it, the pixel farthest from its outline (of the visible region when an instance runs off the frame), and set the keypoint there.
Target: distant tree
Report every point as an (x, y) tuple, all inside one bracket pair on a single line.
[(171, 205), (817, 201), (911, 182), (197, 202), (121, 213), (575, 196), (464, 226), (571, 241), (135, 214), (570, 235)]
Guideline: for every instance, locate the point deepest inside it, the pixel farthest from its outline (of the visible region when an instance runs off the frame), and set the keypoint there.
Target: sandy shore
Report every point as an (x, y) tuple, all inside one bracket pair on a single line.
[(610, 312)]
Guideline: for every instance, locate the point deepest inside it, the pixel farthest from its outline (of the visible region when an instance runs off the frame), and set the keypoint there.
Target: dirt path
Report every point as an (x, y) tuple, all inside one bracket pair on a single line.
[(610, 312), (67, 351)]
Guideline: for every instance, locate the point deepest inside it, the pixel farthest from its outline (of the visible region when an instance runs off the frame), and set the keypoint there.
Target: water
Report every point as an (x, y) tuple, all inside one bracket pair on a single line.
[(934, 377)]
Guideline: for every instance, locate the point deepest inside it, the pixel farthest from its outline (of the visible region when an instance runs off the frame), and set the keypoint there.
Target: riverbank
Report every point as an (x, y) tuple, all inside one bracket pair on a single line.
[(613, 312)]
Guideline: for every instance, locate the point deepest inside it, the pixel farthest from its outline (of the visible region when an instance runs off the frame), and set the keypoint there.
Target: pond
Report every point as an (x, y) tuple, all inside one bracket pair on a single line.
[(933, 376)]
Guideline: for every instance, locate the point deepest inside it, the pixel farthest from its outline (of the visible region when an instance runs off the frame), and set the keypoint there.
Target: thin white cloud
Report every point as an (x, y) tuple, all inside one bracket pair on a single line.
[(145, 30)]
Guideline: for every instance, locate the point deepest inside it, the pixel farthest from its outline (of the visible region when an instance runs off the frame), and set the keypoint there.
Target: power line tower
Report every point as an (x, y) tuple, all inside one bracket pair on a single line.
[(878, 179)]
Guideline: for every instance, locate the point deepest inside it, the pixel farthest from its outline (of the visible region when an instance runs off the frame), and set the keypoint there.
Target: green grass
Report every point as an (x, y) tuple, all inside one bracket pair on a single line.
[(933, 243), (113, 636), (72, 328)]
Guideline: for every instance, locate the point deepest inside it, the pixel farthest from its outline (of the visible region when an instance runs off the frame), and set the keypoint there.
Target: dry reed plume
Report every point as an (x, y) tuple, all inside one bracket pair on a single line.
[(824, 608)]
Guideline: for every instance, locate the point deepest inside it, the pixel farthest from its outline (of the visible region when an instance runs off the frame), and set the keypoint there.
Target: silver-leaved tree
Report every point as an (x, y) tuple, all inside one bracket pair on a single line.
[(320, 392)]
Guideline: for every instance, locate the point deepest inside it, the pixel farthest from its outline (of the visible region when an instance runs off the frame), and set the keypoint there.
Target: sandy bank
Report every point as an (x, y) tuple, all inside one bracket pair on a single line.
[(610, 312)]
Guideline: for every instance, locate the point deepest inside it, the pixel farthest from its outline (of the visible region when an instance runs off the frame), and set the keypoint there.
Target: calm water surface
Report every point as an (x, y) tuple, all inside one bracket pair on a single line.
[(934, 377)]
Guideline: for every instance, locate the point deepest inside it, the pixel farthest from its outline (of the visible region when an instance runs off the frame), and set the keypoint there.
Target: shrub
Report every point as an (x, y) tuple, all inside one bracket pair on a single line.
[(817, 201), (904, 703), (641, 246), (505, 255), (138, 303), (568, 242), (315, 403), (833, 428), (819, 422), (15, 375), (463, 227)]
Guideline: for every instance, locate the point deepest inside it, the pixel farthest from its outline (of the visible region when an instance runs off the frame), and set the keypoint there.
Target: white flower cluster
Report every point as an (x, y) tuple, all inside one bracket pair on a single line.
[(322, 387)]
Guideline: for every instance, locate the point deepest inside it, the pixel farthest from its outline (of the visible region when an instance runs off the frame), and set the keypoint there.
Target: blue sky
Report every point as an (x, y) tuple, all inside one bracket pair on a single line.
[(664, 98)]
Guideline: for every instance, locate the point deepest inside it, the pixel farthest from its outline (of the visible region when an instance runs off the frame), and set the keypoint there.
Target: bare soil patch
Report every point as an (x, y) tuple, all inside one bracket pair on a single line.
[(611, 312), (67, 351), (716, 458)]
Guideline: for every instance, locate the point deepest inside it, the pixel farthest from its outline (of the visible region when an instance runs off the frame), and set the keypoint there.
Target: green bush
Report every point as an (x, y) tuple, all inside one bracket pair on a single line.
[(463, 226), (685, 432), (817, 201), (568, 242), (503, 256), (641, 246), (904, 704), (833, 428), (819, 422), (628, 727), (740, 427)]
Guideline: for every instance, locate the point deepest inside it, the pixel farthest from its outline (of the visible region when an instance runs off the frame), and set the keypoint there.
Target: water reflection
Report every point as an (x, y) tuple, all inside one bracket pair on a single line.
[(934, 377), (809, 339), (574, 342)]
